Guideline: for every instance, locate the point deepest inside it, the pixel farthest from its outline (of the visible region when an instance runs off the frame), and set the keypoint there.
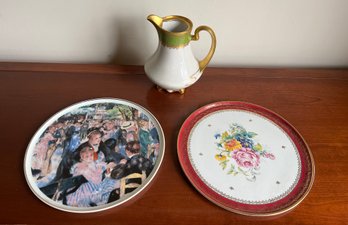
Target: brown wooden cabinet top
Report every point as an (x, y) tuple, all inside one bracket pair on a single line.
[(314, 101)]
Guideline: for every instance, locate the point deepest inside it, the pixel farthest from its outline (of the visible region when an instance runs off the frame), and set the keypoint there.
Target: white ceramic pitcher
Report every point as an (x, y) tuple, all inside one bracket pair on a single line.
[(173, 66)]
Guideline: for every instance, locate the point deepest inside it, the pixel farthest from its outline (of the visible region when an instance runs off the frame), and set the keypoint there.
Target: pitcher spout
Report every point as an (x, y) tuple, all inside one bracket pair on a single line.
[(155, 20)]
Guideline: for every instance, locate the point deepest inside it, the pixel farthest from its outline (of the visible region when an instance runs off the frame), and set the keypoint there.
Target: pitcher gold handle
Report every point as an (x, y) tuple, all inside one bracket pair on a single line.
[(204, 62)]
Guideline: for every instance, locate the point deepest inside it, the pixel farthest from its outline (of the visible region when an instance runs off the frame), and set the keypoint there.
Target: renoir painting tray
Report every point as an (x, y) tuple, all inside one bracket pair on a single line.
[(94, 155)]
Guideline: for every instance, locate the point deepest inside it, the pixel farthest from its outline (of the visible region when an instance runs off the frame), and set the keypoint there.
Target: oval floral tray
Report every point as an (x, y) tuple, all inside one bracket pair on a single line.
[(94, 155), (245, 158)]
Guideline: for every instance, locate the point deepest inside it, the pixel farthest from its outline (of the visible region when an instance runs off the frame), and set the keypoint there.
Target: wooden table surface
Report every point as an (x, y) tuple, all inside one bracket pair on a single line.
[(315, 101)]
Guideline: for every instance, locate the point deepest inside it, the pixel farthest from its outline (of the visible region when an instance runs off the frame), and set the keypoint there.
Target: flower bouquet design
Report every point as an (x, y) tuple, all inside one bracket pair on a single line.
[(239, 153)]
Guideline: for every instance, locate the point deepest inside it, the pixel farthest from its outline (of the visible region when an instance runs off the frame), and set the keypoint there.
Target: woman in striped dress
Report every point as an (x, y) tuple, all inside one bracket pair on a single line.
[(97, 190)]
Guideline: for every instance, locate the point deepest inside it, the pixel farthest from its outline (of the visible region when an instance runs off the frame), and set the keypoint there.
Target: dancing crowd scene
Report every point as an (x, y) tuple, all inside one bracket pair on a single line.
[(82, 157)]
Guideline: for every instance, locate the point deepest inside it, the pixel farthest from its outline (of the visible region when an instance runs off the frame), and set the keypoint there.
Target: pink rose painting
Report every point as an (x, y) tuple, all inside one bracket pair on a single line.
[(246, 158), (240, 153)]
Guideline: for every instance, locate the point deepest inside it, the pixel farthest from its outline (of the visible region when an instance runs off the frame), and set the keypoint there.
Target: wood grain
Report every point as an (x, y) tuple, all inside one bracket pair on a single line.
[(315, 101)]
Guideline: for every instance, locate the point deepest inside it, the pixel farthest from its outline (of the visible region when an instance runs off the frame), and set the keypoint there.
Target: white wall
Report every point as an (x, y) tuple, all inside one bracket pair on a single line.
[(311, 33)]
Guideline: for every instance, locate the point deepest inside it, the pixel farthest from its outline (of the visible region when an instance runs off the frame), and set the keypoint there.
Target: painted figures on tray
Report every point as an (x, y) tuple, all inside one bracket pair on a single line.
[(96, 190), (81, 158), (238, 152)]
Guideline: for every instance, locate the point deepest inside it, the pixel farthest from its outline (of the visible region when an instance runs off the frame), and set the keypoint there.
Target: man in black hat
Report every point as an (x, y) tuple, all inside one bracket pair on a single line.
[(101, 153)]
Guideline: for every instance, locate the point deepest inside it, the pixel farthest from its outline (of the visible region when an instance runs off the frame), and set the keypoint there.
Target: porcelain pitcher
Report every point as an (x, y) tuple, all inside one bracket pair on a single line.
[(173, 66)]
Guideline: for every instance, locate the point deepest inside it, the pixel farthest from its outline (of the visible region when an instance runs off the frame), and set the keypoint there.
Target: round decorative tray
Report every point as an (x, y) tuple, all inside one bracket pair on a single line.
[(94, 155), (245, 158)]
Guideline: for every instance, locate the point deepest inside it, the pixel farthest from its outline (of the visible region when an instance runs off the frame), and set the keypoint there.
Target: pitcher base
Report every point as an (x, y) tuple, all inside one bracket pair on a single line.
[(181, 91)]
